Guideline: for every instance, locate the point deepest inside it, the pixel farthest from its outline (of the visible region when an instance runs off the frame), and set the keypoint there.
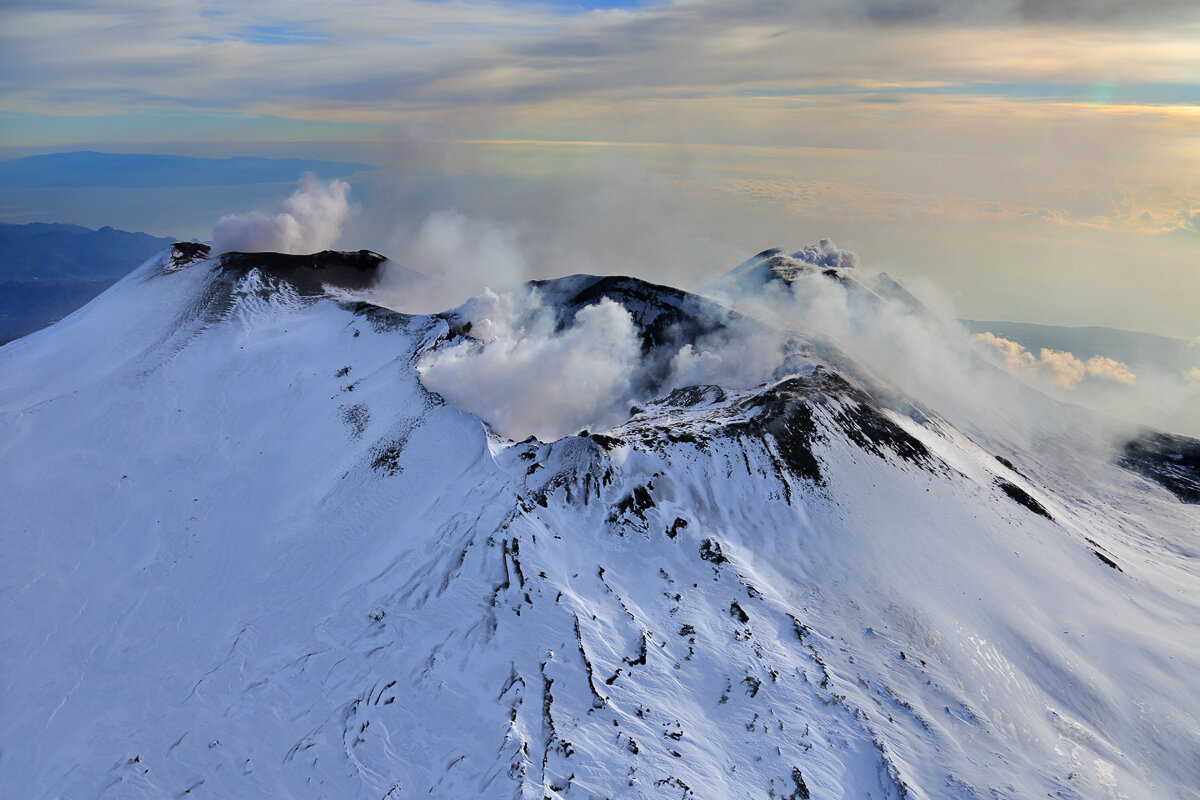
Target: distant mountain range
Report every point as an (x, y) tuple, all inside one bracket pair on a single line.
[(48, 270), (43, 251)]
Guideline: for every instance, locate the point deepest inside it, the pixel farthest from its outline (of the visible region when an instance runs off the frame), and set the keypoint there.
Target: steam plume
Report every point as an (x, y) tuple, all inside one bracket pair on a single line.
[(311, 220), (523, 377)]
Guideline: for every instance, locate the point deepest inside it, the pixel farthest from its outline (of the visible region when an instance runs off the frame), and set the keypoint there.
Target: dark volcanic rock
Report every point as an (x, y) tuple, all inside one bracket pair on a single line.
[(309, 274), (792, 427), (787, 415), (689, 396), (664, 315), (1171, 461), (666, 318), (381, 319), (1019, 495), (185, 253), (1106, 560)]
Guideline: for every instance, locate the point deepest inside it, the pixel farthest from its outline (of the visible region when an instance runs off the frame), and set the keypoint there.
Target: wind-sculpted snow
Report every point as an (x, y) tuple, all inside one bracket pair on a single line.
[(247, 552)]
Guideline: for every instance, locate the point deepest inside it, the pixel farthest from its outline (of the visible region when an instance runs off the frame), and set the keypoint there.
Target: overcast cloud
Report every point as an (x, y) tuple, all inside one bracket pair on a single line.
[(267, 57)]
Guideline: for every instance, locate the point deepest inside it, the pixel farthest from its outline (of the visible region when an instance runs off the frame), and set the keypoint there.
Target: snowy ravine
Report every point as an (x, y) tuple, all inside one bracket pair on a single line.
[(245, 552)]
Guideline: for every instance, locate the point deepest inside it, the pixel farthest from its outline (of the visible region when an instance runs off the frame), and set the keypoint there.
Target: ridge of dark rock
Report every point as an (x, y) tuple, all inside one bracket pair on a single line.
[(186, 253), (1171, 461), (309, 274), (663, 314)]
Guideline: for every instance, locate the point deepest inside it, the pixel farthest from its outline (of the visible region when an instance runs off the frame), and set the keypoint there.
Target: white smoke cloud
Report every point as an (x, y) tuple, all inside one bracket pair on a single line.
[(462, 255), (923, 355), (523, 377), (311, 220), (926, 356), (621, 220), (826, 254), (1054, 367), (739, 357)]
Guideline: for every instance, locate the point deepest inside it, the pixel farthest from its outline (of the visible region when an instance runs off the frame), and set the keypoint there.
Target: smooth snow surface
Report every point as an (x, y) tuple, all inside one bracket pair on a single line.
[(246, 553)]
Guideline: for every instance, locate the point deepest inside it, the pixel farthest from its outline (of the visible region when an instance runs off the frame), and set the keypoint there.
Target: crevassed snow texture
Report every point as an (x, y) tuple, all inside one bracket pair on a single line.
[(250, 555)]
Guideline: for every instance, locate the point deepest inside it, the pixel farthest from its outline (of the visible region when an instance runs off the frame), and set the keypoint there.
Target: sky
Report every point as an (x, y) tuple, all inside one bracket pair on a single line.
[(1029, 160)]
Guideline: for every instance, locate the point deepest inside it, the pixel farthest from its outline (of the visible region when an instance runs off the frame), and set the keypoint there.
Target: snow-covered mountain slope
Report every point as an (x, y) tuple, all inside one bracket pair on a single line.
[(247, 553)]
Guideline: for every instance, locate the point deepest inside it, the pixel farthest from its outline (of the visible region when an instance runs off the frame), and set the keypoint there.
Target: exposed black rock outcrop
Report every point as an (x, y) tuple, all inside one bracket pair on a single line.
[(309, 274), (1171, 461), (786, 412), (663, 315), (1019, 495), (186, 253)]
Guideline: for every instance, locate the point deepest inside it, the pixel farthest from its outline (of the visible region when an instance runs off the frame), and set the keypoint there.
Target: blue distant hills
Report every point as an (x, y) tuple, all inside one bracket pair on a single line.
[(47, 270), (141, 170), (44, 251)]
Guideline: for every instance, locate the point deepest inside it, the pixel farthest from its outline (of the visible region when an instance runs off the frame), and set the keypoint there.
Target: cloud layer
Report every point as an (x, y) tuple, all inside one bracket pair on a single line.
[(405, 56), (1157, 395), (1054, 367)]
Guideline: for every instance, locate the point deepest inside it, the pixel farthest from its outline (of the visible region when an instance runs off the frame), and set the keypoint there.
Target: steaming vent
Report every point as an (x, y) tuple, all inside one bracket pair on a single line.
[(775, 265)]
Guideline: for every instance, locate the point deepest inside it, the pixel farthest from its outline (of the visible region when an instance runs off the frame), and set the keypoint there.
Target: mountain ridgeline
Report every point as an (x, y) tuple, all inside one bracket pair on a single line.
[(49, 270), (250, 552)]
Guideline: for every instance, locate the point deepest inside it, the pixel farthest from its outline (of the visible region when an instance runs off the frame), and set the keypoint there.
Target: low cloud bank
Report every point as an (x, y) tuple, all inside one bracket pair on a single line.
[(1055, 367), (310, 220), (1156, 395)]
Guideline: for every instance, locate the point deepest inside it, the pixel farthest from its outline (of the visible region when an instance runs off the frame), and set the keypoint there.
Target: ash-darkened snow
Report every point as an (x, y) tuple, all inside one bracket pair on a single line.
[(265, 538)]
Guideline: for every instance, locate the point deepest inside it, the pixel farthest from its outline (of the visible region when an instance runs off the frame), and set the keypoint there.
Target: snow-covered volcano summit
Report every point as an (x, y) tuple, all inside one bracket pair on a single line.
[(247, 552)]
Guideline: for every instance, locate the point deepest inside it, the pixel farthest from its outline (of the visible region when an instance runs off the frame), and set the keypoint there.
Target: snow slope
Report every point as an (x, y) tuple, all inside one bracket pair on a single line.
[(246, 553)]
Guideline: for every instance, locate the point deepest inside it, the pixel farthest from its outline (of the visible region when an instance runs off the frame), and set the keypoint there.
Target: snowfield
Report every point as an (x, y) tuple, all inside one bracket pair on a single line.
[(246, 552)]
